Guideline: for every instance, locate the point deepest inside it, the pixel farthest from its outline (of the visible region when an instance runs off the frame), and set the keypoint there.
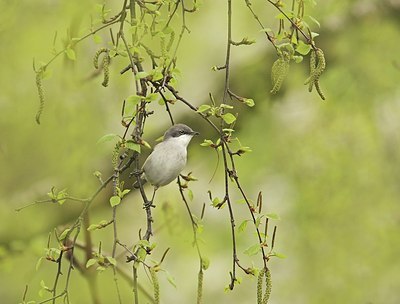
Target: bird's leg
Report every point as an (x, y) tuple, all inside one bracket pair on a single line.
[(135, 173), (149, 203)]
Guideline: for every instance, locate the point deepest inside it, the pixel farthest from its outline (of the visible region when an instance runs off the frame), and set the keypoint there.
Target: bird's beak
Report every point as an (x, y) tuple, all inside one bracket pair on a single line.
[(195, 133)]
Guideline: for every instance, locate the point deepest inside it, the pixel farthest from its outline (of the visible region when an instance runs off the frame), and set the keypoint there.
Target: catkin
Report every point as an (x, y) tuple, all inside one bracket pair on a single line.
[(171, 41), (200, 287), (317, 67), (268, 286), (259, 286), (39, 77), (97, 55), (260, 298), (106, 72), (156, 285), (279, 71)]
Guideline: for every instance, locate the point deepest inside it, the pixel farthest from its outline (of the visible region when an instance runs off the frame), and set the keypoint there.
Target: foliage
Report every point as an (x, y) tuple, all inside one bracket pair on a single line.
[(140, 26)]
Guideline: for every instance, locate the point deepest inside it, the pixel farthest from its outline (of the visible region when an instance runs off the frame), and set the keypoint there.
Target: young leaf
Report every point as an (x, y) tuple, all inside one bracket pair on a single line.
[(38, 263), (243, 225), (90, 262), (64, 234), (207, 143), (203, 108), (70, 53), (273, 216), (112, 261), (170, 278), (249, 102), (253, 250), (134, 100), (303, 48), (132, 145), (93, 227), (190, 194), (229, 118), (115, 200), (107, 137)]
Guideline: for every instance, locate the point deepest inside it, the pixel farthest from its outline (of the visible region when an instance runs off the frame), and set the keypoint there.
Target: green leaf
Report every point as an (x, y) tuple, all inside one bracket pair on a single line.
[(215, 201), (243, 225), (63, 235), (298, 59), (129, 144), (205, 262), (253, 250), (107, 137), (315, 21), (97, 39), (207, 143), (190, 194), (229, 118), (203, 108), (112, 261), (125, 192), (157, 75), (115, 200), (134, 99), (38, 263), (303, 48), (70, 53), (100, 268), (249, 102), (141, 75), (170, 278), (91, 262), (225, 106), (168, 30), (152, 97), (279, 255), (273, 216), (93, 227)]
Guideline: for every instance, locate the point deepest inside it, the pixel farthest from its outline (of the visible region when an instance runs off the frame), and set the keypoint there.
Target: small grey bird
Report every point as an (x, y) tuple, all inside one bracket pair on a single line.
[(169, 157)]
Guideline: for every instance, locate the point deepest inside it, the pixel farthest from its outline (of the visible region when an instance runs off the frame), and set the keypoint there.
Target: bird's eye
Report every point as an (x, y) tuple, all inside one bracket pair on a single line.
[(182, 132)]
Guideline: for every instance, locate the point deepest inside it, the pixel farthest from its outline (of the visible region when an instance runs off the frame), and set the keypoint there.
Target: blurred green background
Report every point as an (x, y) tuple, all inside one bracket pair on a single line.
[(331, 169)]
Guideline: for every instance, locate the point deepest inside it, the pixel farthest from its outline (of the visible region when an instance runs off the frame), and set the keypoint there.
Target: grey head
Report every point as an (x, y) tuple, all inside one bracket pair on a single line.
[(179, 130)]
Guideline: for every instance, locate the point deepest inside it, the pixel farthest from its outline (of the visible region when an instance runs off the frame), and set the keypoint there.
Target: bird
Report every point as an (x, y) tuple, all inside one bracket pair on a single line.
[(169, 157)]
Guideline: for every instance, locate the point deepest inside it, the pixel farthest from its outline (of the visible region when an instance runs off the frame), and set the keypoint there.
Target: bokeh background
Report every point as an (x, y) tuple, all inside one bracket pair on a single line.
[(330, 169)]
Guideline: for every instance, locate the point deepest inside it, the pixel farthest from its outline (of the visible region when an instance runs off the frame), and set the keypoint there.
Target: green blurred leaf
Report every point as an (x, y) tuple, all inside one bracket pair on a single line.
[(141, 75), (152, 97), (97, 39), (273, 216), (107, 137), (253, 250), (70, 53), (93, 227), (38, 263), (205, 262), (243, 225), (112, 261), (190, 194), (314, 20), (170, 278)]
